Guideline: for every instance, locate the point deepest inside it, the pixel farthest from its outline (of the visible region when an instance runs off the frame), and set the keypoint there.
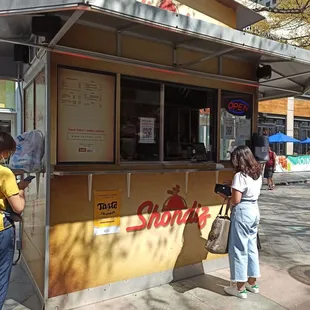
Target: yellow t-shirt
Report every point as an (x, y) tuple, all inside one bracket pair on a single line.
[(8, 185)]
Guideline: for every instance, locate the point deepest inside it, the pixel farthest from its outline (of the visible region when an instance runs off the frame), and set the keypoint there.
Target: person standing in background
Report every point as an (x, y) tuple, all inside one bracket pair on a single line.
[(270, 169)]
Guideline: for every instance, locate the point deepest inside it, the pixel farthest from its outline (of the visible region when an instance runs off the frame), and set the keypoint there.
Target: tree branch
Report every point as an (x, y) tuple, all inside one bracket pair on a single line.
[(278, 10)]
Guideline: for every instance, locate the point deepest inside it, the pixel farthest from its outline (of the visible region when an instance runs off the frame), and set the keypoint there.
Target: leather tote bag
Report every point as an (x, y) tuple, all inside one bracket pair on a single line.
[(217, 242)]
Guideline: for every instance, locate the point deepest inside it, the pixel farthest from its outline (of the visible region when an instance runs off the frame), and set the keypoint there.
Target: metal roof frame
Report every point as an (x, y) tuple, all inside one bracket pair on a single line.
[(194, 33)]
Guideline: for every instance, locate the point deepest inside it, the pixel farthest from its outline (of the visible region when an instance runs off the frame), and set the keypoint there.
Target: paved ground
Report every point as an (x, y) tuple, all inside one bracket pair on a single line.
[(292, 177), (21, 295), (285, 263)]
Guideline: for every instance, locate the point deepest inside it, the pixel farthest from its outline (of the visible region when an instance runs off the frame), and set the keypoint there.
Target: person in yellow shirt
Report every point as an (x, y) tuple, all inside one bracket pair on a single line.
[(12, 199)]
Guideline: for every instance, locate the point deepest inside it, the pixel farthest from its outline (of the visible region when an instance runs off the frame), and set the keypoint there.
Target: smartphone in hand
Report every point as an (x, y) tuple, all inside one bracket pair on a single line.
[(29, 178)]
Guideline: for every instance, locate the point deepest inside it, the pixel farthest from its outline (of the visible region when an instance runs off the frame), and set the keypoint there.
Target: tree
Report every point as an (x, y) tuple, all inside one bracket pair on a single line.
[(287, 22)]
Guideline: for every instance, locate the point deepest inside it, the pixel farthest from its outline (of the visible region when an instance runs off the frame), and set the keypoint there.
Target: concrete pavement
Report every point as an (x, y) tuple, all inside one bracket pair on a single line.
[(284, 178), (285, 264)]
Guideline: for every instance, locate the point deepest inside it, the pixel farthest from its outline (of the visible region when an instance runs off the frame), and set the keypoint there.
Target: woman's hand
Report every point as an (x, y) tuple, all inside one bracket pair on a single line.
[(22, 185), (223, 196)]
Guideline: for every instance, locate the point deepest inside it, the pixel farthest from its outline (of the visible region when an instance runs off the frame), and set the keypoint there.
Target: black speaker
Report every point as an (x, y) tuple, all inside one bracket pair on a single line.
[(264, 72), (260, 147), (21, 53), (46, 26)]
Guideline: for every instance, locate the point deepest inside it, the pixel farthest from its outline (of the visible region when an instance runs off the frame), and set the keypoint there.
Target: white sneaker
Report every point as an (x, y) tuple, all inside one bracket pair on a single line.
[(252, 288), (232, 290)]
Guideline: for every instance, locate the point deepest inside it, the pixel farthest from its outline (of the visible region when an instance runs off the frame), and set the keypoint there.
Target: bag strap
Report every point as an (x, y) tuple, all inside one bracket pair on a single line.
[(220, 213), (226, 209)]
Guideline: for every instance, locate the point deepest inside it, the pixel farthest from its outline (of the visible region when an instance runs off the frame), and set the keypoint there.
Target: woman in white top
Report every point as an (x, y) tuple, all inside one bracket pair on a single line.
[(242, 249)]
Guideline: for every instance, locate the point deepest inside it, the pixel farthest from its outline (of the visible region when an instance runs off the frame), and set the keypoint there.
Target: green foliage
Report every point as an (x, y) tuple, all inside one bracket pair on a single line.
[(288, 22)]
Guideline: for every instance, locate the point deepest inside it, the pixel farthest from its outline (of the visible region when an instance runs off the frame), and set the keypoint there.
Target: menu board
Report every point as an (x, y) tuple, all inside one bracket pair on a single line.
[(86, 108)]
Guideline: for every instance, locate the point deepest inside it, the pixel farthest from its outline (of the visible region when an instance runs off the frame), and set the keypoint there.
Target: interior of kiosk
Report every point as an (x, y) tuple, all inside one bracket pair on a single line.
[(73, 257)]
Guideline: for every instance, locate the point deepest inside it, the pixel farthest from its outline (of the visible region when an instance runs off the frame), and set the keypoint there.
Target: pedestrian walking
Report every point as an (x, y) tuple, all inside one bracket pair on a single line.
[(12, 194), (242, 248), (270, 169)]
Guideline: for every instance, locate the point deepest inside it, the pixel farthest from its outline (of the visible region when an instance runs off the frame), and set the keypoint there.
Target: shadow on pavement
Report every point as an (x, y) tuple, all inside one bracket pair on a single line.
[(301, 273), (207, 282)]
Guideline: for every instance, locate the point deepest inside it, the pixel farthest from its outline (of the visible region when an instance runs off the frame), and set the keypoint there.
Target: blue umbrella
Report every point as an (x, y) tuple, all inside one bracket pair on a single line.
[(307, 141), (282, 138)]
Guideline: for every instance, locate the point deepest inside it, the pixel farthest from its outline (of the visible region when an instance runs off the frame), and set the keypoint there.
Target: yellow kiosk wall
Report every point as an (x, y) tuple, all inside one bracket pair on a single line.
[(80, 260)]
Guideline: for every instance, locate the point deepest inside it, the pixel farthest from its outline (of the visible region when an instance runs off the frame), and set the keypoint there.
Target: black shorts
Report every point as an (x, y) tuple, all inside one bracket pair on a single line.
[(268, 174)]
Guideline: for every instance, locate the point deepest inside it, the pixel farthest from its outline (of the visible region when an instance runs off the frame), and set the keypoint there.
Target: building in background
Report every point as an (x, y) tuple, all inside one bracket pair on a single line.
[(7, 107), (290, 116)]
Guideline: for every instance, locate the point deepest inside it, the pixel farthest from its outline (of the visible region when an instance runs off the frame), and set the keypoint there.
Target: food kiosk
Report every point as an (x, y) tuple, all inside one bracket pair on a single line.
[(140, 108)]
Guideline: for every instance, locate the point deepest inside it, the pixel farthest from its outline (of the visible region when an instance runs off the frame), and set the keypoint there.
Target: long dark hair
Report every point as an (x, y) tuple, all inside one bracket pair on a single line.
[(243, 160)]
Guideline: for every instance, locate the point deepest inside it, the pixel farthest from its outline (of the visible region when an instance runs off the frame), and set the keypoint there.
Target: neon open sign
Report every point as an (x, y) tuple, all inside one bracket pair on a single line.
[(238, 107)]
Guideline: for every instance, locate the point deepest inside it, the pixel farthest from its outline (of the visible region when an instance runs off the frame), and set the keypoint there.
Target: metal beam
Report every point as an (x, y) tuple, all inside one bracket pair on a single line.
[(282, 75), (273, 97), (306, 87), (283, 89), (118, 43), (180, 43), (286, 77), (271, 61), (128, 27), (175, 56), (18, 7), (68, 24), (214, 55), (220, 65)]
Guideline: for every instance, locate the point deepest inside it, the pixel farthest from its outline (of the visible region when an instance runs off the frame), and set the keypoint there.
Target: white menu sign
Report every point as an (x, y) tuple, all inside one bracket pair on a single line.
[(147, 130), (86, 105)]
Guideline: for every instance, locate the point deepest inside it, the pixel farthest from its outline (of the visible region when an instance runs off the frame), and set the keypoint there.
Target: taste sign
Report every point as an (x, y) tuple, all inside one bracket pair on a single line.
[(173, 212)]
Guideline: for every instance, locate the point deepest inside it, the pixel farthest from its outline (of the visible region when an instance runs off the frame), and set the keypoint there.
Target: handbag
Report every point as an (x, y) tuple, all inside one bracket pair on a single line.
[(217, 242)]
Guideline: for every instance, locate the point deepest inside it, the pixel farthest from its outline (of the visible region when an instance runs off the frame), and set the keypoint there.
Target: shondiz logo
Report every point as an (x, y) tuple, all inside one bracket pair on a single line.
[(173, 212)]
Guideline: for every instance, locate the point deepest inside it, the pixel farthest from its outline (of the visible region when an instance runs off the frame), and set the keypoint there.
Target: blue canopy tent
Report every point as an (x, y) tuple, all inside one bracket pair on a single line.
[(282, 138), (306, 141)]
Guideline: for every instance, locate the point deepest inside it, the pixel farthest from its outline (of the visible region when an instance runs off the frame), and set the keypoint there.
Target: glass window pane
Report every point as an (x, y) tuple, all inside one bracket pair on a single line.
[(189, 123), (7, 94), (29, 108), (40, 102), (236, 116), (140, 117)]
